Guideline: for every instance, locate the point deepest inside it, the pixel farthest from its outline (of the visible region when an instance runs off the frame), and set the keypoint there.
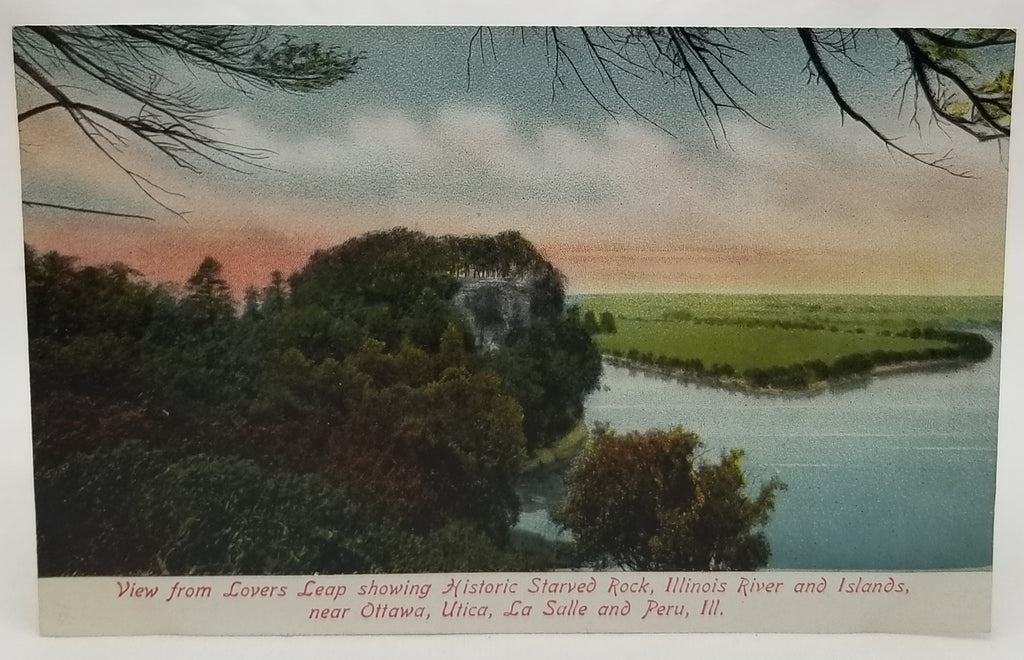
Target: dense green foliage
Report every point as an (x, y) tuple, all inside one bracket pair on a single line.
[(548, 368), (133, 510), (645, 501), (340, 420), (809, 311), (791, 342), (395, 286), (608, 323)]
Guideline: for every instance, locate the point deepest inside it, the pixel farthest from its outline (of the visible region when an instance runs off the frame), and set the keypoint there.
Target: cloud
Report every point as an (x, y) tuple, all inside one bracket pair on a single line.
[(800, 208), (480, 157)]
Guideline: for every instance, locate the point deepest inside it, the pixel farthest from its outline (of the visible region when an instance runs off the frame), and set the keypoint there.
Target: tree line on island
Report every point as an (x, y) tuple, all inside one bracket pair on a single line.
[(960, 346), (339, 420)]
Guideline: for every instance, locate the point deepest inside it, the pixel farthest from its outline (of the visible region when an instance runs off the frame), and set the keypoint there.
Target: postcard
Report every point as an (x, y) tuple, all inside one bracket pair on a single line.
[(451, 329)]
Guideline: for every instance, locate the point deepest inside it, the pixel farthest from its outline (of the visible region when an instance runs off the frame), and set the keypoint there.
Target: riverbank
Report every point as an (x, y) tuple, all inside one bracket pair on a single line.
[(560, 454), (790, 344), (541, 486), (812, 388)]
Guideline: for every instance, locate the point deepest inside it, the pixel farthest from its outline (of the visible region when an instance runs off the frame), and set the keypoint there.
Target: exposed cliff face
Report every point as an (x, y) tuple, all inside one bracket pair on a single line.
[(492, 307)]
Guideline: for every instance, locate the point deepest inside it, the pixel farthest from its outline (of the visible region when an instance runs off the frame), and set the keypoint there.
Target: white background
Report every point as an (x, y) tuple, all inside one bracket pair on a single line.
[(18, 620)]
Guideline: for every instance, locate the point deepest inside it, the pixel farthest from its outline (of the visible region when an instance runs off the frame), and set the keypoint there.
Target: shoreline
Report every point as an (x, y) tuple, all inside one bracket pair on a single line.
[(738, 384), (560, 454)]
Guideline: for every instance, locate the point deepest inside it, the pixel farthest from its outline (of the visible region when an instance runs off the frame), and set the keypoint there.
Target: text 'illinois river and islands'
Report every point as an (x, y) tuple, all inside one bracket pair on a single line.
[(355, 601)]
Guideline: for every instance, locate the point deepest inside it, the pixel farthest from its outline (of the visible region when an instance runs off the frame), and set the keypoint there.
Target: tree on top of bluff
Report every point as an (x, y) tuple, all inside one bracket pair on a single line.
[(395, 266), (505, 255)]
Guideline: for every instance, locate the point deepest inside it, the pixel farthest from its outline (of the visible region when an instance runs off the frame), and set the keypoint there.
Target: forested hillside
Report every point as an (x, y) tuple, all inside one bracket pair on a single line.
[(342, 419)]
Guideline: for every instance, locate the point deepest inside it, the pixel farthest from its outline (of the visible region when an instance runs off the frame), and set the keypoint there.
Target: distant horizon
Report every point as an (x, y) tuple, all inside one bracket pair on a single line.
[(238, 286)]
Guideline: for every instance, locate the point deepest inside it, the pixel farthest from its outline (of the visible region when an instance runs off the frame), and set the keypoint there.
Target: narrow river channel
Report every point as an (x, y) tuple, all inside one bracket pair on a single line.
[(896, 474)]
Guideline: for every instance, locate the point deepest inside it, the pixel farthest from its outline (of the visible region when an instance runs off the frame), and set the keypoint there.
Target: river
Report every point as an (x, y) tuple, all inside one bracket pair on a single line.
[(897, 474)]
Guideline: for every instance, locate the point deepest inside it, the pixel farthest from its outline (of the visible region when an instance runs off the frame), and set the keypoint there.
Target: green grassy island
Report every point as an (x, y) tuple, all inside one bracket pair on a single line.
[(787, 343)]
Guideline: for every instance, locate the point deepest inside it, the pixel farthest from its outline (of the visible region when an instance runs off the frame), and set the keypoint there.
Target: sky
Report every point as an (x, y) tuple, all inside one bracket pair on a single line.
[(444, 137)]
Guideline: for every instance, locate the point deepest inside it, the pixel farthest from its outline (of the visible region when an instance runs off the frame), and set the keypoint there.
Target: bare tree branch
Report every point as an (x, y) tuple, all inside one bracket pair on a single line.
[(941, 72), (823, 74), (132, 62), (83, 209), (930, 74)]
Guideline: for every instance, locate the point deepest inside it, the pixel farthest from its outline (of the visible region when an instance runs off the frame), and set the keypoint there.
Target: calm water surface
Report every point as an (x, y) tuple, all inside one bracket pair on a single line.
[(898, 474)]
